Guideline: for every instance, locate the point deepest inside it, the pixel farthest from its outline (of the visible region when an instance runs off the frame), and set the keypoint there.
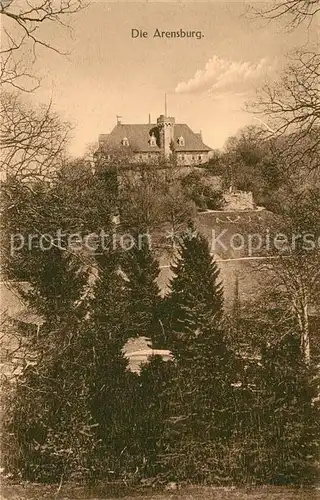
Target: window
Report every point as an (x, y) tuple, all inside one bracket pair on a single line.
[(153, 141), (125, 142), (199, 157), (181, 141)]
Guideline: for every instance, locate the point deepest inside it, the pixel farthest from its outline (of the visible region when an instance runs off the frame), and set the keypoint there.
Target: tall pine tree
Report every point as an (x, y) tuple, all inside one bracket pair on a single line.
[(142, 270), (201, 393), (201, 401), (196, 291), (110, 384)]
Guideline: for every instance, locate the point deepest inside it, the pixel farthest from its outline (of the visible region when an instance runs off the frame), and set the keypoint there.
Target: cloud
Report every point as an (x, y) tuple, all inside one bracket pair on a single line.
[(221, 76)]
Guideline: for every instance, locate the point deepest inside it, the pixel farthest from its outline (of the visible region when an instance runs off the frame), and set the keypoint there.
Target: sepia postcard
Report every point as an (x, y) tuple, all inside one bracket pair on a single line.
[(160, 249)]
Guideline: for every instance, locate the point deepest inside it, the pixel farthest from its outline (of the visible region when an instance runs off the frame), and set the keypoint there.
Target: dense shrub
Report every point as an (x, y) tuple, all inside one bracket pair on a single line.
[(199, 189)]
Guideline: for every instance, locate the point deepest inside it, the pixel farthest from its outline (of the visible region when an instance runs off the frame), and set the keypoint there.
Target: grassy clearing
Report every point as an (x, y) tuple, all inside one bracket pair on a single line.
[(67, 492)]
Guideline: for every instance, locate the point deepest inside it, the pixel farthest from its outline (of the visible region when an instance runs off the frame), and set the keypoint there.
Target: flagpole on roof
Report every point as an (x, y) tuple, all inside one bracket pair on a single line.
[(165, 105)]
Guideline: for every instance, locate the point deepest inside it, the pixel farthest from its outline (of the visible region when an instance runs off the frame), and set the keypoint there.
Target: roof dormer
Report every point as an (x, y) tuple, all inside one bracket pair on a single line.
[(153, 140), (181, 141), (125, 141)]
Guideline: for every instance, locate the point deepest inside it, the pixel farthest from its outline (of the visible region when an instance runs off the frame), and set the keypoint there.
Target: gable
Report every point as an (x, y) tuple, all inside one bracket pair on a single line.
[(192, 141)]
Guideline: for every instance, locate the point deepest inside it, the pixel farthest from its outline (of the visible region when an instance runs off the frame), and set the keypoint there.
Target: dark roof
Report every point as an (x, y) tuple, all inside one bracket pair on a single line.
[(139, 135)]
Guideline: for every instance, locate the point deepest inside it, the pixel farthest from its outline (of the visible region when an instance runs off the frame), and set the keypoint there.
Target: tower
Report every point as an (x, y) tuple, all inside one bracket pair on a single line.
[(166, 130)]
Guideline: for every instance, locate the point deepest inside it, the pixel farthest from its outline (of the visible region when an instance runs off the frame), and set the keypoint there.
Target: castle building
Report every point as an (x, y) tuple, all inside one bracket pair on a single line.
[(152, 141)]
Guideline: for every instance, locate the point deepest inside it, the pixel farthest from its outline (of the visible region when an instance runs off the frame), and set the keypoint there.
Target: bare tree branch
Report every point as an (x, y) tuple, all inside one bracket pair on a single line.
[(33, 139), (291, 108), (21, 22), (295, 12)]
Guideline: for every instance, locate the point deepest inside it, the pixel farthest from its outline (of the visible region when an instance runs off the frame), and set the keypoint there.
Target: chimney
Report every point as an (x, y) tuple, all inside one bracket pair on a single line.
[(119, 119), (149, 119)]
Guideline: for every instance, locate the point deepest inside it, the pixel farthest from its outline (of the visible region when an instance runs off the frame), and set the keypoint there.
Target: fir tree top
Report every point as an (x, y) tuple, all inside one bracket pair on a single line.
[(196, 274)]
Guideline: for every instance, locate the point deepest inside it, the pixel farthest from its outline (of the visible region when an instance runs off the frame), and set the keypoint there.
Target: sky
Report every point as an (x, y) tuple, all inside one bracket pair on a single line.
[(208, 81)]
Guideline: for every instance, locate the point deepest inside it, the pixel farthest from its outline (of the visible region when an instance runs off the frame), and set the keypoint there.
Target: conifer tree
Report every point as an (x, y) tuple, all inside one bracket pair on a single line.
[(43, 403), (201, 394), (142, 270), (109, 298), (53, 419), (57, 283), (110, 382), (196, 291), (201, 419)]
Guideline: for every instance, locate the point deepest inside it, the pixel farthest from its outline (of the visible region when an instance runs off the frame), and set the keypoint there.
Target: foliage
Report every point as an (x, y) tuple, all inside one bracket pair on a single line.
[(216, 414), (60, 214), (200, 422), (52, 419), (151, 200), (195, 289), (290, 420), (155, 378), (199, 395), (252, 165), (198, 188), (47, 425), (292, 276), (142, 270)]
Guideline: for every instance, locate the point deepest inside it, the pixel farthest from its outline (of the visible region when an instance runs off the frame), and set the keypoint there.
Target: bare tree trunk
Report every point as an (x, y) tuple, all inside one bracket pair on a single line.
[(301, 310), (305, 334)]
